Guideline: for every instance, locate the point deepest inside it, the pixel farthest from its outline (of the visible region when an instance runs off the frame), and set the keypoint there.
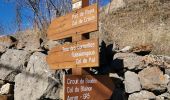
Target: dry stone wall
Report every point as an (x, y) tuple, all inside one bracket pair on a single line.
[(24, 73)]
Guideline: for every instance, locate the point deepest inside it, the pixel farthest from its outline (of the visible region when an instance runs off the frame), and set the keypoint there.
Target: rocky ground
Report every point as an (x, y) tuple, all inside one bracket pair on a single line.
[(138, 73)]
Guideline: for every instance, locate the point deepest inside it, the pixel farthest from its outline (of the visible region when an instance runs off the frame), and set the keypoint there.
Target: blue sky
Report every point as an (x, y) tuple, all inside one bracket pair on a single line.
[(7, 16)]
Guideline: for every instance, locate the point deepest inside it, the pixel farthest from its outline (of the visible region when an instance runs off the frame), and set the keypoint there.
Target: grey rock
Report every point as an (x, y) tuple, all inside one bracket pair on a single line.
[(159, 98), (28, 40), (2, 49), (6, 42), (168, 87), (142, 95), (37, 82), (6, 89), (157, 60), (153, 78), (133, 1), (166, 61), (114, 75), (131, 82), (167, 71), (130, 60), (140, 49), (1, 83), (50, 44), (126, 49), (12, 62), (164, 96), (115, 5), (151, 1)]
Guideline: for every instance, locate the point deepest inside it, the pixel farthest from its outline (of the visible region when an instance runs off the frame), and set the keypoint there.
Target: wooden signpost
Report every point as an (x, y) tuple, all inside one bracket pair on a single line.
[(87, 87), (3, 97), (77, 4), (79, 22), (81, 53), (77, 54)]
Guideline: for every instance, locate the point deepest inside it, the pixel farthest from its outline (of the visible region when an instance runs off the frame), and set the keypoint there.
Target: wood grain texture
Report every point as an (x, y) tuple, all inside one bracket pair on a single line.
[(3, 97), (88, 87), (78, 22), (79, 54)]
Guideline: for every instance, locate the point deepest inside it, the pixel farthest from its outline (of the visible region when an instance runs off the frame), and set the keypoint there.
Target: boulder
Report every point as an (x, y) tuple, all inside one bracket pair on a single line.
[(37, 82), (6, 42), (130, 60), (133, 1), (159, 98), (12, 62), (153, 78), (126, 49), (1, 83), (2, 49), (115, 75), (115, 5), (166, 61), (131, 82), (6, 89), (142, 49), (167, 71), (157, 60), (50, 44), (142, 95), (164, 96), (168, 87), (152, 1), (28, 40)]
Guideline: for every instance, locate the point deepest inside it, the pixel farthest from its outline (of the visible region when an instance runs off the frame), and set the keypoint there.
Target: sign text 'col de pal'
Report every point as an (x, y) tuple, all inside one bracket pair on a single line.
[(77, 54)]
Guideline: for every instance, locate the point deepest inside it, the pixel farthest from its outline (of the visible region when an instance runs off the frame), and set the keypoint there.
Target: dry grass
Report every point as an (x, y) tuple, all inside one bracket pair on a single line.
[(138, 25)]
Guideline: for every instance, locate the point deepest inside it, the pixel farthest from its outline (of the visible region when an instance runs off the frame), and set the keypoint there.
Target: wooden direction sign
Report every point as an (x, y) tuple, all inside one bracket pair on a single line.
[(87, 87), (78, 54), (79, 22)]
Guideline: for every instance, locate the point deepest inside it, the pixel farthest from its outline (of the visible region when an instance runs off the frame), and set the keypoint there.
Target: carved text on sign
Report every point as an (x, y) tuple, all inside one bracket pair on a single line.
[(80, 21), (79, 54), (87, 87)]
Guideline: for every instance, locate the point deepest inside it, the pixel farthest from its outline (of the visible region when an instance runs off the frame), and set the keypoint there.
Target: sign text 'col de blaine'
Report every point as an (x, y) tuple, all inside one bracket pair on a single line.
[(87, 87), (77, 22)]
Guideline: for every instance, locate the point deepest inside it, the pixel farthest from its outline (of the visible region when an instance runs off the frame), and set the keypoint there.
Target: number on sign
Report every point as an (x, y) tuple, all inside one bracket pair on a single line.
[(86, 96)]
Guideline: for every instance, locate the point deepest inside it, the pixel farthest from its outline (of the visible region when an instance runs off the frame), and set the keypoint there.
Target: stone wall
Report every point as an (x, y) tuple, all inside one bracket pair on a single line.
[(24, 72), (143, 77)]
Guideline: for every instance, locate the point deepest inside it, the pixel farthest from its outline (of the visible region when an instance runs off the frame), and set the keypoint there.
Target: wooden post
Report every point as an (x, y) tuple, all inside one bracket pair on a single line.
[(78, 37), (77, 4)]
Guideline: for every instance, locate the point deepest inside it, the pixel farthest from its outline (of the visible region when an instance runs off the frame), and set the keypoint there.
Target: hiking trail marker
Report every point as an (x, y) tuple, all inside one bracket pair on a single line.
[(75, 25), (77, 22), (77, 54), (81, 53), (87, 87)]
